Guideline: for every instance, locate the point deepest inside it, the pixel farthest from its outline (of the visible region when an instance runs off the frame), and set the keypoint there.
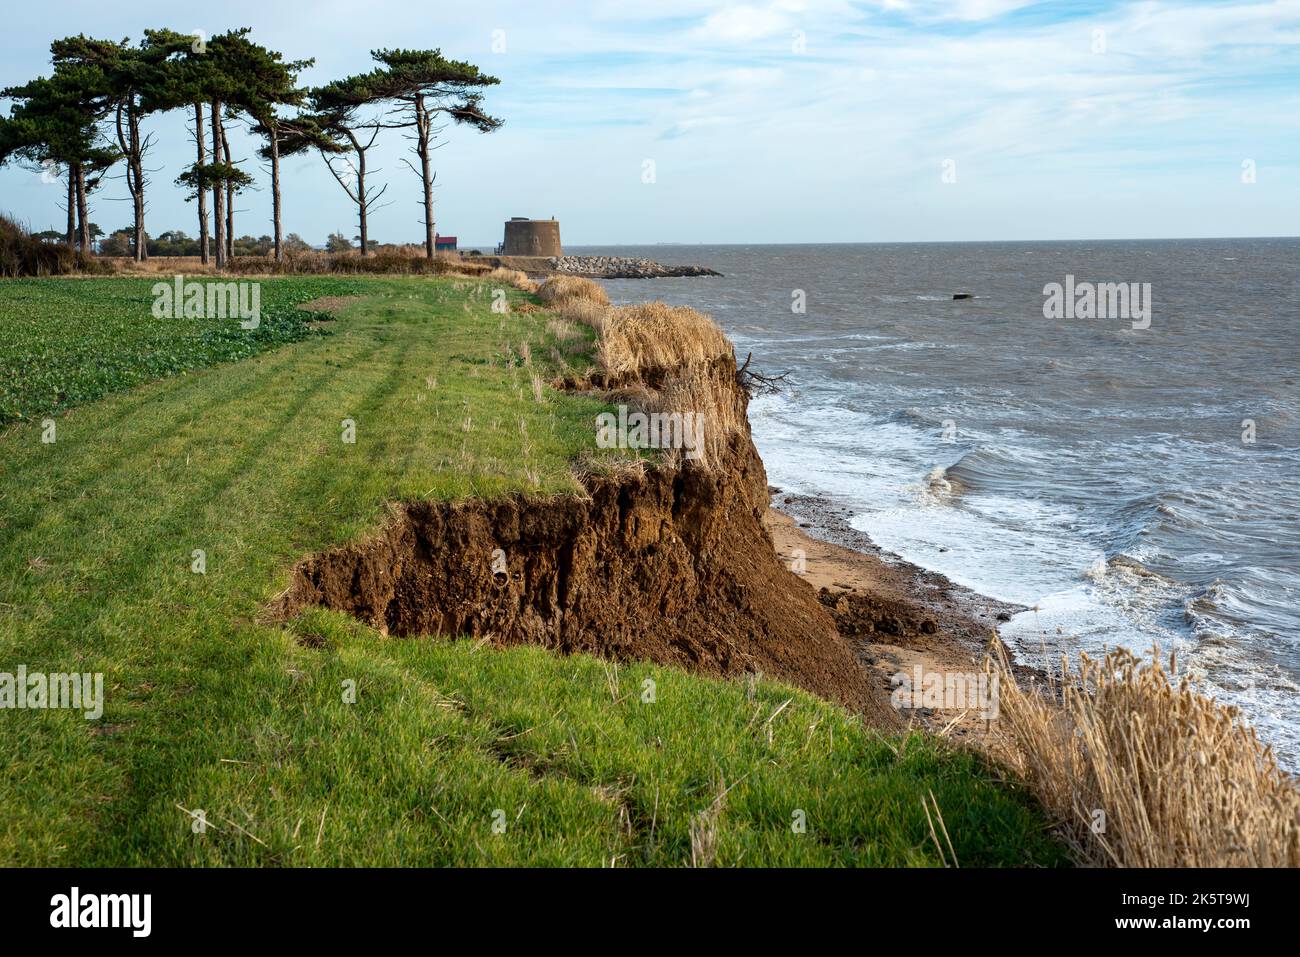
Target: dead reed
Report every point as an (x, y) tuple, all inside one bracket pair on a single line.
[(1143, 770)]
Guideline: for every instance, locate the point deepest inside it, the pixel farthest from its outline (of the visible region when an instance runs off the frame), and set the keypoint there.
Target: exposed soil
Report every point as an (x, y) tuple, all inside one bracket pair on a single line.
[(684, 566), (674, 566)]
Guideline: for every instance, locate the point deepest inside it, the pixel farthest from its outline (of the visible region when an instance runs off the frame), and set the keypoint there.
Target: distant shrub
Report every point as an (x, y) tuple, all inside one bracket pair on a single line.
[(388, 261), (22, 254)]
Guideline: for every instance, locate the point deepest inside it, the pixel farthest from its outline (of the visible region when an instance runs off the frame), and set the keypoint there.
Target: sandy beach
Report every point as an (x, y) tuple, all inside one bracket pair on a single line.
[(895, 615)]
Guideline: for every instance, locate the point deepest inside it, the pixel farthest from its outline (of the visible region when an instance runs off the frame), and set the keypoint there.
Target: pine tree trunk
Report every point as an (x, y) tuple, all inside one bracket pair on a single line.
[(83, 214), (71, 235), (137, 193), (424, 122), (275, 189), (200, 140), (230, 201), (128, 141), (218, 189), (361, 200)]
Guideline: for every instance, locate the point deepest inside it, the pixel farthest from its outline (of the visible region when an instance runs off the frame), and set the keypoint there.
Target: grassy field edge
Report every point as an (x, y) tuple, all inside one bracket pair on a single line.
[(230, 741)]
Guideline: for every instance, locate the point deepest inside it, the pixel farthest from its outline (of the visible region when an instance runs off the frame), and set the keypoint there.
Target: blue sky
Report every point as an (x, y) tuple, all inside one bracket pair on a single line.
[(773, 120)]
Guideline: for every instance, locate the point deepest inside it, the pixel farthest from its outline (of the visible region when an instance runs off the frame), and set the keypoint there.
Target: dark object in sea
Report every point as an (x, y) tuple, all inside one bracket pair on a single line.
[(963, 295)]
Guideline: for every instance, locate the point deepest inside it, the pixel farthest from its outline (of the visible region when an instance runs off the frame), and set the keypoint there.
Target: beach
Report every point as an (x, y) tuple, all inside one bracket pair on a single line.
[(896, 616)]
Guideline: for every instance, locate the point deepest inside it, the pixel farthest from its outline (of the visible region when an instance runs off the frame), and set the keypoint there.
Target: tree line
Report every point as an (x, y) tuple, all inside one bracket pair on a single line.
[(88, 117)]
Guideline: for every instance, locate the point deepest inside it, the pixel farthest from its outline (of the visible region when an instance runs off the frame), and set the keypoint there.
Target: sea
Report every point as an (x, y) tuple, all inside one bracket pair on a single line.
[(1131, 476)]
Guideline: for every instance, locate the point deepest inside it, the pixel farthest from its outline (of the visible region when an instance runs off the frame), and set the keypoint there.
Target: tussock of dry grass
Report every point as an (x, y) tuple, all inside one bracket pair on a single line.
[(653, 335), (562, 329), (675, 360), (621, 469), (584, 311), (658, 359), (560, 289), (22, 255), (707, 392), (576, 299), (1180, 779), (512, 277)]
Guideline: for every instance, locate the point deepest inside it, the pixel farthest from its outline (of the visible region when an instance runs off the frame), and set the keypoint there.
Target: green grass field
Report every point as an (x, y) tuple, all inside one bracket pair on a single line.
[(68, 341), (451, 753)]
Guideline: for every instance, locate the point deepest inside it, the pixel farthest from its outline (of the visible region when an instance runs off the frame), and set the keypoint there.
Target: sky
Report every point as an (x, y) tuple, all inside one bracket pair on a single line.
[(767, 121)]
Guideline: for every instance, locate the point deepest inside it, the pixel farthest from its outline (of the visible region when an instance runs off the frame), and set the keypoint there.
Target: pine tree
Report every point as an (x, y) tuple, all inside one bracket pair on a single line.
[(133, 85), (427, 86), (342, 126), (53, 125)]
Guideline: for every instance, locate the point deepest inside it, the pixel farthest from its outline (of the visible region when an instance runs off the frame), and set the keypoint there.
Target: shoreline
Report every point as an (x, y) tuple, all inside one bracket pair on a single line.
[(895, 615)]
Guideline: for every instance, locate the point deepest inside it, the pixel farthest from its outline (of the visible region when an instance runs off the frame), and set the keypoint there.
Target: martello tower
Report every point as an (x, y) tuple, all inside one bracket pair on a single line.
[(532, 237)]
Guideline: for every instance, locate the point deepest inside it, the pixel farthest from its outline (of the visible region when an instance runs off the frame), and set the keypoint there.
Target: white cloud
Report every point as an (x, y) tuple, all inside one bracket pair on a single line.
[(744, 23), (855, 127)]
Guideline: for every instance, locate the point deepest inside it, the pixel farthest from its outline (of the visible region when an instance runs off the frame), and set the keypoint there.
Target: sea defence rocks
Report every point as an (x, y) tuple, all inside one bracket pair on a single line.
[(622, 267)]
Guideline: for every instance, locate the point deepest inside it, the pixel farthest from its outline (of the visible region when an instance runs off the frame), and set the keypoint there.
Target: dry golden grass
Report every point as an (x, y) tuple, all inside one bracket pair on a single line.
[(158, 264), (576, 299), (620, 469), (657, 359), (705, 391), (1145, 771), (512, 277), (652, 335), (584, 311), (683, 363), (560, 289), (562, 329)]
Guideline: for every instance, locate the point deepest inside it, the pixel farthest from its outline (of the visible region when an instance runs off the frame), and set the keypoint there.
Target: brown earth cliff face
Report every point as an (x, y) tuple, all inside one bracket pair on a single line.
[(673, 566)]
